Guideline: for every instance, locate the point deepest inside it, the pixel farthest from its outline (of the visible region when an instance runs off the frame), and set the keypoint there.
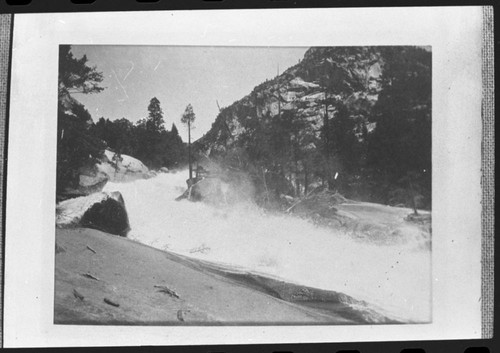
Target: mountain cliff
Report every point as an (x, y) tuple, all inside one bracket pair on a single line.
[(355, 119), (325, 74)]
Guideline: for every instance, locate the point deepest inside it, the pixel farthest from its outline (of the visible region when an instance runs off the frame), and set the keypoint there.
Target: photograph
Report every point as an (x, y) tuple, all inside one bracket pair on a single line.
[(243, 185), (247, 177)]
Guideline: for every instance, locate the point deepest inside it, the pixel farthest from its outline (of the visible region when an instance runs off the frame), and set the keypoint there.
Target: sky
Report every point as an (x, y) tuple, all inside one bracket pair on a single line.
[(178, 76)]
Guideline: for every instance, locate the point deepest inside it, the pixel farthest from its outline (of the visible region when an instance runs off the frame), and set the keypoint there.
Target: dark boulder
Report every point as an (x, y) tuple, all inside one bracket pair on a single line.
[(108, 215)]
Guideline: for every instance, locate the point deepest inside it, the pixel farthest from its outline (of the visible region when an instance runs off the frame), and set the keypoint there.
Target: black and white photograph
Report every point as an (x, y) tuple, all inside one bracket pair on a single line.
[(254, 185), (244, 177)]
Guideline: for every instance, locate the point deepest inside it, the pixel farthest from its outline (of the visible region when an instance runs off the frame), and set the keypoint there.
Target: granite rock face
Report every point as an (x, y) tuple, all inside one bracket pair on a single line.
[(108, 215), (350, 75)]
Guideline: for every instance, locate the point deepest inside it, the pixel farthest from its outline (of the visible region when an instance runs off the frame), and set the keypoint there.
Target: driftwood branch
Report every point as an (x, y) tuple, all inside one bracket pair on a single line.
[(299, 201), (88, 275), (166, 290), (77, 294), (110, 302)]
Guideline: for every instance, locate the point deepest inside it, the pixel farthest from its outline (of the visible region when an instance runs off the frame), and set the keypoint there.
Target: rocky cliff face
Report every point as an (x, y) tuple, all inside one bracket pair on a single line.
[(354, 119), (306, 91)]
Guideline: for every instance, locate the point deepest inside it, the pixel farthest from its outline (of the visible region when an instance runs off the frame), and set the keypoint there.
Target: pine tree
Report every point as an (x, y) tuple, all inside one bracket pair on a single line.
[(155, 120), (76, 145), (188, 118), (75, 76), (174, 130), (399, 148), (342, 75)]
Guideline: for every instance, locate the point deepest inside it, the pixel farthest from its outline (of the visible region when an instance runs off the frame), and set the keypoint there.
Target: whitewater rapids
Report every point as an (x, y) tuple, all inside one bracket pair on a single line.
[(393, 278)]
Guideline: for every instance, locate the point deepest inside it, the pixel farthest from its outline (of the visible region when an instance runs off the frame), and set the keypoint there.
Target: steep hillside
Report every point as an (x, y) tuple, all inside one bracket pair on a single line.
[(307, 90), (353, 119)]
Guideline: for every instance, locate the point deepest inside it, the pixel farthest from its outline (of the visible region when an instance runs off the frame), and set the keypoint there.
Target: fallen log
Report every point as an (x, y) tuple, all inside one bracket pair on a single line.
[(110, 302), (88, 275), (77, 294), (166, 290)]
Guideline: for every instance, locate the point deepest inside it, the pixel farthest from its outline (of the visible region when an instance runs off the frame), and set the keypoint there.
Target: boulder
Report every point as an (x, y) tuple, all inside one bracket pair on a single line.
[(209, 189), (90, 181), (228, 188), (122, 168), (92, 184), (164, 170), (108, 215), (87, 181)]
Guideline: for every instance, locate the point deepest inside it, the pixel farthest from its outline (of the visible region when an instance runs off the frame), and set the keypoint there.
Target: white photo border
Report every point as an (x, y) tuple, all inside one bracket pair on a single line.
[(454, 33)]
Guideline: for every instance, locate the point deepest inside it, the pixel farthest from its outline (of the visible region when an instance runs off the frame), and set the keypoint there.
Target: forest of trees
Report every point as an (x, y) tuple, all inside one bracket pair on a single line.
[(81, 142), (147, 140)]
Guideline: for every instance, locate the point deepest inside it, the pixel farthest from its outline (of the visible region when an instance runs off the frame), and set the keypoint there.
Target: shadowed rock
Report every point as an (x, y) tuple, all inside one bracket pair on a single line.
[(89, 183), (208, 189), (108, 215)]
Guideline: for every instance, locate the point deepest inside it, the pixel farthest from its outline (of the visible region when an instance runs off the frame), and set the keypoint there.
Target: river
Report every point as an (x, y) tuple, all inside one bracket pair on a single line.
[(393, 277)]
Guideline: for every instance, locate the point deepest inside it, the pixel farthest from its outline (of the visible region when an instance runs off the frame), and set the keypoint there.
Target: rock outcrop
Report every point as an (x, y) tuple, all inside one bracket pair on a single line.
[(102, 211), (109, 215), (90, 181), (230, 188), (356, 119), (211, 189), (347, 74), (87, 206), (121, 167), (111, 167)]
